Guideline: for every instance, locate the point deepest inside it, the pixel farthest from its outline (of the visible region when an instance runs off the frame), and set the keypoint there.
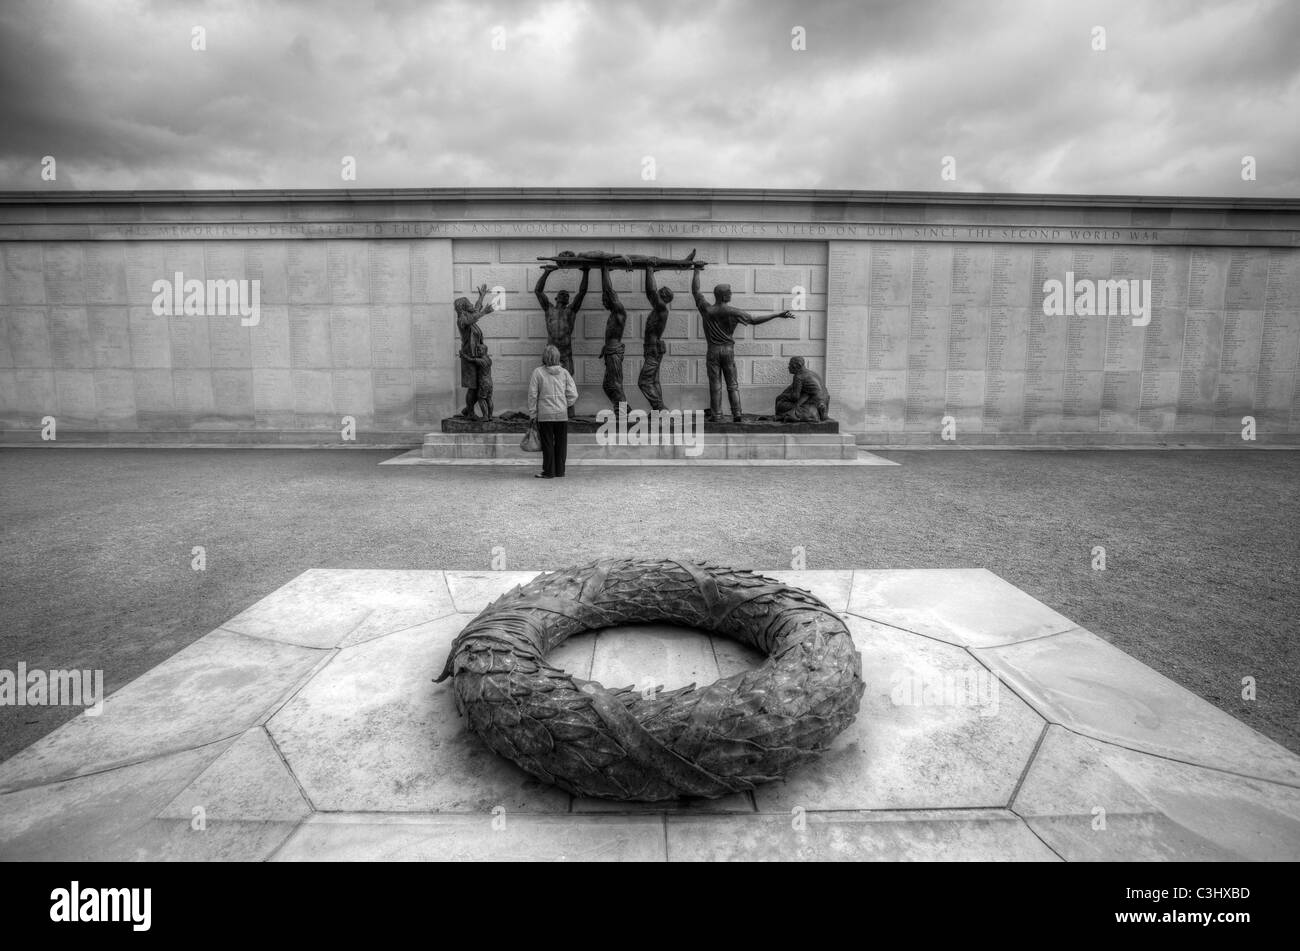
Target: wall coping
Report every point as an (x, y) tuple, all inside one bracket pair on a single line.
[(722, 195)]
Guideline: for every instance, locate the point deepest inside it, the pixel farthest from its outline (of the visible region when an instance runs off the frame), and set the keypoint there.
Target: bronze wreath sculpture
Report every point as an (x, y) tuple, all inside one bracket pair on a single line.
[(623, 744)]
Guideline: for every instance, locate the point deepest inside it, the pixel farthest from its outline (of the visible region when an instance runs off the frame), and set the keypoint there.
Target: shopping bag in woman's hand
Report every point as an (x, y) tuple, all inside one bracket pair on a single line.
[(532, 441)]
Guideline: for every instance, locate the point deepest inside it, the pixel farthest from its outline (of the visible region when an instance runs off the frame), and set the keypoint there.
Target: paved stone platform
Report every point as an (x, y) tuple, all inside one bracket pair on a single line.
[(308, 727), (712, 449), (590, 424)]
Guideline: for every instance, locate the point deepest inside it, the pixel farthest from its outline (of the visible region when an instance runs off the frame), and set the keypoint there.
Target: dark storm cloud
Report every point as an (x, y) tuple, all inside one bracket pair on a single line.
[(584, 92)]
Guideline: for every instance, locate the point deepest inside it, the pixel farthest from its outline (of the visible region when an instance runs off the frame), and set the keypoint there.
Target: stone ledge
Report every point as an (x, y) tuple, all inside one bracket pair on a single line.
[(589, 424), (353, 196), (205, 438), (583, 446), (1058, 440)]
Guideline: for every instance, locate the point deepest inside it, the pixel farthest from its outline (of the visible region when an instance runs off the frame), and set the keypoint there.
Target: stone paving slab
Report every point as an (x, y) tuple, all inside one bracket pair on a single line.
[(364, 604), (969, 607), (250, 781), (104, 816), (991, 727), (447, 838), (217, 687), (372, 732), (992, 835), (1080, 681), (833, 587), (935, 730), (472, 591), (1091, 800), (653, 657)]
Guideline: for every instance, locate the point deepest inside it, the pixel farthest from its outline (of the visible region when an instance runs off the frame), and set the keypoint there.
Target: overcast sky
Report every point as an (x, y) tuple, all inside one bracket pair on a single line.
[(584, 92)]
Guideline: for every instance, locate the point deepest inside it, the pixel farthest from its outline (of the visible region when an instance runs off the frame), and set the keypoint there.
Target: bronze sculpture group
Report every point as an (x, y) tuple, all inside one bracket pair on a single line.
[(805, 400), (475, 364)]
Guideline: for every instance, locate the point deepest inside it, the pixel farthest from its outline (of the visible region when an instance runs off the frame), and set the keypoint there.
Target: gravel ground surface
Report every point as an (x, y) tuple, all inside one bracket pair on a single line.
[(1202, 548)]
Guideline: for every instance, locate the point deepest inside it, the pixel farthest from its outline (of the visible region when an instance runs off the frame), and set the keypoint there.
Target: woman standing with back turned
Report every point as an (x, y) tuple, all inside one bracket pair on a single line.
[(551, 391)]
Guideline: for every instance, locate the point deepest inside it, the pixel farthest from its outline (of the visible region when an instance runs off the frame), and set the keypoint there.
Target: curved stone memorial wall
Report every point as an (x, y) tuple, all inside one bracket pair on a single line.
[(974, 319)]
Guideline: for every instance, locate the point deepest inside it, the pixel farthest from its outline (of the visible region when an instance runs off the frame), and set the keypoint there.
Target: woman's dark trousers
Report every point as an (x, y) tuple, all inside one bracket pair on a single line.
[(555, 446)]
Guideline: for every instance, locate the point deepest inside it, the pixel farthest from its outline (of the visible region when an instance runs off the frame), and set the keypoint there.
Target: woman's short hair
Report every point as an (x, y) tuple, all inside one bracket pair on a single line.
[(551, 355)]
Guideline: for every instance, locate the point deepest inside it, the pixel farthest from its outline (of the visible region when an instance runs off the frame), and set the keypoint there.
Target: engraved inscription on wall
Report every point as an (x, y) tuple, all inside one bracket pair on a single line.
[(911, 330), (966, 332), (342, 330)]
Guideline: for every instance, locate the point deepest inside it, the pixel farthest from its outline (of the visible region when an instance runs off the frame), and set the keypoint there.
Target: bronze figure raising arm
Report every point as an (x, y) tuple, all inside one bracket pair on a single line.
[(540, 290), (608, 295), (582, 291), (700, 302), (651, 291)]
